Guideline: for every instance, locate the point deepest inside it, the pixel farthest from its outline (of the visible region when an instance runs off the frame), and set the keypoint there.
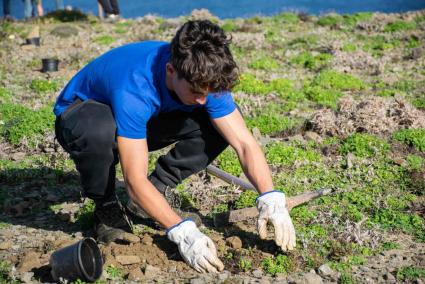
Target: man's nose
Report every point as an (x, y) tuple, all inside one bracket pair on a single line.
[(201, 100)]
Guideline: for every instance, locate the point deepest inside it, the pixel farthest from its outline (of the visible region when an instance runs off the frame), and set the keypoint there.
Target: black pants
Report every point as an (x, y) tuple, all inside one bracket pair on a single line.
[(86, 130), (110, 6)]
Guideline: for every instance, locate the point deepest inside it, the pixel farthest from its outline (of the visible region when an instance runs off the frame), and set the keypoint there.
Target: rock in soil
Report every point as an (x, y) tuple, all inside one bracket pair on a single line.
[(234, 242)]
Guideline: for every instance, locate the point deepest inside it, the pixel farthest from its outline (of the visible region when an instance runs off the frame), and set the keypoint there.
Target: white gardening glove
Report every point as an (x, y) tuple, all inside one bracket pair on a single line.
[(272, 207), (197, 249)]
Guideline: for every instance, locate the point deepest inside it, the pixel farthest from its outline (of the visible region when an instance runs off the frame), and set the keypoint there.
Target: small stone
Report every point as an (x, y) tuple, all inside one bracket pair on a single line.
[(313, 136), (151, 271), (350, 159), (136, 275), (325, 270), (128, 259), (147, 240), (64, 31), (6, 245), (224, 275), (312, 278), (26, 277), (400, 161), (198, 280), (257, 273), (234, 242), (389, 277), (130, 238), (29, 261), (17, 156)]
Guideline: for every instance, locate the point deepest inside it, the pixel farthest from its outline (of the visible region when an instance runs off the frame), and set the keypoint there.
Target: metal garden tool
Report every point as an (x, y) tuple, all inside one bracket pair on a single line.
[(233, 216)]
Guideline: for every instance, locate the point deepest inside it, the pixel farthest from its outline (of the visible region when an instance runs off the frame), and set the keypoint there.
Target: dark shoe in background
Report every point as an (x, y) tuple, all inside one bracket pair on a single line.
[(111, 221)]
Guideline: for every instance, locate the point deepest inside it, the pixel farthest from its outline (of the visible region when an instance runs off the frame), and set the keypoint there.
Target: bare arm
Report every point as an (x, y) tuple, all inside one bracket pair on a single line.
[(134, 162), (232, 127)]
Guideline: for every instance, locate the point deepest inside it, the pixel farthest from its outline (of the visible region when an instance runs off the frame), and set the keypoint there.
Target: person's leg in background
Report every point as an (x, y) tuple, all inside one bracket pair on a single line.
[(106, 6), (59, 5), (86, 130), (6, 8), (40, 10), (115, 7), (28, 10)]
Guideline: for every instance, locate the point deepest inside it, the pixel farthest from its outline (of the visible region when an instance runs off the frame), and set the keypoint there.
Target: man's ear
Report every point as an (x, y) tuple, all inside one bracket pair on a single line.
[(170, 69)]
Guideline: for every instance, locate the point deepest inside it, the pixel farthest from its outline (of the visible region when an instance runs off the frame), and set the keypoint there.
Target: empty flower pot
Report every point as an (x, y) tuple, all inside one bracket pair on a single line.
[(50, 64), (34, 40), (81, 260)]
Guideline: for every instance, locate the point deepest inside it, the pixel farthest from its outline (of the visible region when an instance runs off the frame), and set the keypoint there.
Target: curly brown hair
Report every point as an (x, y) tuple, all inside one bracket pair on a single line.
[(200, 53)]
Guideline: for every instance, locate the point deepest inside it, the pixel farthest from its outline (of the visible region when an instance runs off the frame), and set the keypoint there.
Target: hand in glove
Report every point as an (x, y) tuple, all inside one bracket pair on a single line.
[(197, 249), (272, 207)]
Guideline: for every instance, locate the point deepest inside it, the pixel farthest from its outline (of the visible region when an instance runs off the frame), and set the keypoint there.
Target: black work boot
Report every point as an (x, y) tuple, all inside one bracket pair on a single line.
[(111, 221), (172, 198)]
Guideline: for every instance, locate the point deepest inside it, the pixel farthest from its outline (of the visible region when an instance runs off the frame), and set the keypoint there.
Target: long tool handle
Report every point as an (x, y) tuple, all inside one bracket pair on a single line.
[(229, 178)]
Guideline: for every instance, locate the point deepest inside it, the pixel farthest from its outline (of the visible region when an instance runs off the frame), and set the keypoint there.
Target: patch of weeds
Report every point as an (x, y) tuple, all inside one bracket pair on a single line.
[(283, 154), (394, 220), (4, 225), (104, 40), (378, 44), (228, 161), (84, 217), (287, 17), (41, 86), (413, 136), (306, 42), (329, 20), (410, 273), (352, 19), (330, 79), (310, 61), (186, 198), (270, 123), (364, 145), (249, 84), (413, 42), (419, 102), (398, 26), (264, 63), (114, 272), (5, 269), (229, 26), (415, 162), (245, 264), (279, 264), (322, 96), (346, 279), (20, 122), (65, 16), (122, 27), (303, 214), (221, 208), (349, 47), (390, 246), (5, 95), (246, 199), (387, 93)]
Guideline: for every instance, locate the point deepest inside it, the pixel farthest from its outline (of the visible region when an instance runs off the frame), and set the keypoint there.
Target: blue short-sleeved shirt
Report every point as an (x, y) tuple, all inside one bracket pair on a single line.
[(131, 80)]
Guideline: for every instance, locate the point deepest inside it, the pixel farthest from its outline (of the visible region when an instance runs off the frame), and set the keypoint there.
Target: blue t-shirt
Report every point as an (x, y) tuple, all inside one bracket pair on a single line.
[(131, 80)]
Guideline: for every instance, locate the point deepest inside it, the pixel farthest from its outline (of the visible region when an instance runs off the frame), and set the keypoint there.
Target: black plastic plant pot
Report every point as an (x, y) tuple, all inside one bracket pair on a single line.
[(81, 260), (50, 64), (34, 40)]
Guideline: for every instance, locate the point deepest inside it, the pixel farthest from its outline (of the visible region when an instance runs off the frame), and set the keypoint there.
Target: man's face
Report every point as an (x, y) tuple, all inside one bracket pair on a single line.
[(183, 89)]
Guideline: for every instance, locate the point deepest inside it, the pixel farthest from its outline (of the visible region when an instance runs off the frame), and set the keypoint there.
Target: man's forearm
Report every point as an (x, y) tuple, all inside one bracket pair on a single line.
[(255, 166), (143, 193)]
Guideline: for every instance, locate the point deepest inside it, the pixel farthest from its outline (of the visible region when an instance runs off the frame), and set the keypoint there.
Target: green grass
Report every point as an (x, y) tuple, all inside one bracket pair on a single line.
[(84, 217), (415, 162), (352, 19), (378, 44), (410, 273), (229, 26), (310, 61), (398, 26), (41, 86), (329, 20), (104, 40), (330, 79), (5, 273), (283, 154), (395, 220), (246, 199), (264, 63), (271, 123), (349, 47), (413, 137), (325, 97), (20, 122), (279, 264), (364, 145), (228, 161), (5, 95)]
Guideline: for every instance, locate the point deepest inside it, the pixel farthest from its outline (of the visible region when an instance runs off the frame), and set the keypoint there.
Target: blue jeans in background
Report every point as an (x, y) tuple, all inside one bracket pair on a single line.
[(6, 8), (30, 8), (59, 5)]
